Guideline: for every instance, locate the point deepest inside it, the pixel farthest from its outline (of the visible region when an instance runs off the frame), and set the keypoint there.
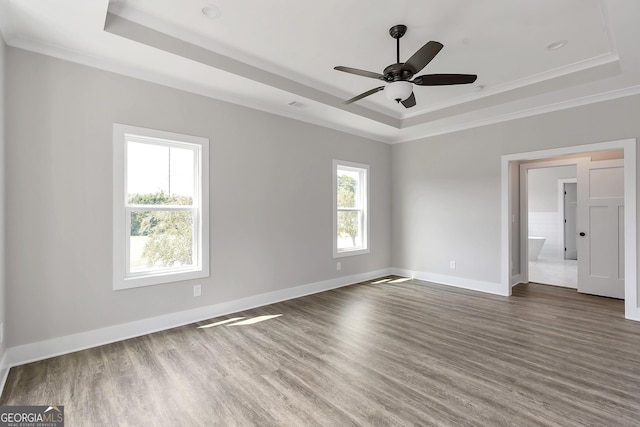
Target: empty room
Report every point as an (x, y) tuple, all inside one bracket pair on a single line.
[(319, 214)]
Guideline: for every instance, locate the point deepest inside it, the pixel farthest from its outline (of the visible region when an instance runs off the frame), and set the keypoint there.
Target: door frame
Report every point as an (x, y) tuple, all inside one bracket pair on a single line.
[(524, 207), (509, 161), (561, 183)]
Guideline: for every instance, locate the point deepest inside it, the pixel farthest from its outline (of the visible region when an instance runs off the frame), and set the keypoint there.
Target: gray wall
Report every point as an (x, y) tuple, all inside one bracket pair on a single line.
[(446, 189), (271, 219), (271, 195), (446, 206), (543, 187), (3, 292)]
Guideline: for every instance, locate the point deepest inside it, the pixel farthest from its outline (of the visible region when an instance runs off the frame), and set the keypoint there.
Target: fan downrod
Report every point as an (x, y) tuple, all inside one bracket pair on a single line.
[(395, 72), (397, 31)]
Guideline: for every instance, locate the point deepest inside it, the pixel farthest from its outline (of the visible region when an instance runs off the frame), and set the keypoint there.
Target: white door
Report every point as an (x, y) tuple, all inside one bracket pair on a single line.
[(600, 228), (570, 206)]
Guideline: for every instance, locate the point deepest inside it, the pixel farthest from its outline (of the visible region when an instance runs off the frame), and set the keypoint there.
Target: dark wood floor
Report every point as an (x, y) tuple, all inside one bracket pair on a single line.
[(408, 353)]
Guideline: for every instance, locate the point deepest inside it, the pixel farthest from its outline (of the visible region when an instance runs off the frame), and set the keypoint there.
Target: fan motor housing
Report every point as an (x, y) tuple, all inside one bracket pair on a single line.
[(395, 72)]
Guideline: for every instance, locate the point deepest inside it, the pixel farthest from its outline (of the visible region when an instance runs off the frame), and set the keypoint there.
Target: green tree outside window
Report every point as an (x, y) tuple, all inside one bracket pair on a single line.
[(169, 233), (347, 220)]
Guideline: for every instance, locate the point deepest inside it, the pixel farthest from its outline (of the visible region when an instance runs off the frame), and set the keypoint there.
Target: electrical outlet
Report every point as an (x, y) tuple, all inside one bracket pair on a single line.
[(452, 265), (338, 266), (197, 290)]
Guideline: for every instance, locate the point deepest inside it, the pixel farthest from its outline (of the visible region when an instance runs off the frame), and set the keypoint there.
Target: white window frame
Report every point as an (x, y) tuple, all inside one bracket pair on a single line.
[(363, 170), (122, 278)]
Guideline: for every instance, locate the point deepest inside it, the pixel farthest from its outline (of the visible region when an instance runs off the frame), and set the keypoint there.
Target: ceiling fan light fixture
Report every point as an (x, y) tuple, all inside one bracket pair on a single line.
[(399, 86), (398, 91)]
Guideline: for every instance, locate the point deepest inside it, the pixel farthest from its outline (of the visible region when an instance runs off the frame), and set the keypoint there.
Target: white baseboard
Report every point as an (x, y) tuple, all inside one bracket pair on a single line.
[(633, 314), (458, 282), (19, 355), (516, 280)]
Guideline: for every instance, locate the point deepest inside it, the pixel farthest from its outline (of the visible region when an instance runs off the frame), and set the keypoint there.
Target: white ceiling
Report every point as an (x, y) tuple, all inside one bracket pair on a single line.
[(268, 54)]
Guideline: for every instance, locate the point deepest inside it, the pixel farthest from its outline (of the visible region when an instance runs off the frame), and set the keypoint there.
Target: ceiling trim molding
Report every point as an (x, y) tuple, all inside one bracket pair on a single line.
[(131, 13), (94, 62), (604, 69), (128, 13), (179, 84), (599, 67), (550, 108), (133, 31), (359, 120), (577, 67)]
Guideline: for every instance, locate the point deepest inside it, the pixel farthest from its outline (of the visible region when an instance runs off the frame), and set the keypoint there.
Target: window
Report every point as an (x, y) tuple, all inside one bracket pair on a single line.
[(350, 208), (160, 207)]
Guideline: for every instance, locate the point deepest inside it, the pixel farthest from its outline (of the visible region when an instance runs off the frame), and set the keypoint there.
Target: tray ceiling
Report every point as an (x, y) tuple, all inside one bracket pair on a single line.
[(278, 56)]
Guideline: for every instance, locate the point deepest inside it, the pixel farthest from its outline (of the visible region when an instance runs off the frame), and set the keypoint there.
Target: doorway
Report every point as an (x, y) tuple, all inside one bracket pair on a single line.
[(548, 221), (513, 250)]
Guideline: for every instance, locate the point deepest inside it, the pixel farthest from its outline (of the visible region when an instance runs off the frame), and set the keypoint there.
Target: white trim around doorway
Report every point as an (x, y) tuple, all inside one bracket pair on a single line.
[(509, 161), (561, 206), (524, 207)]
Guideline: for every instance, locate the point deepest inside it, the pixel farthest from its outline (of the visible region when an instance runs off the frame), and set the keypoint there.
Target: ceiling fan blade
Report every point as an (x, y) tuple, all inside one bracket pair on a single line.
[(358, 72), (422, 57), (410, 101), (444, 79), (364, 95)]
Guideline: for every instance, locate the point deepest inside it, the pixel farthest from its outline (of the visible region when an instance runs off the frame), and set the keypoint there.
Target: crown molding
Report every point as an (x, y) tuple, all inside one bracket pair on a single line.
[(529, 112), (369, 128)]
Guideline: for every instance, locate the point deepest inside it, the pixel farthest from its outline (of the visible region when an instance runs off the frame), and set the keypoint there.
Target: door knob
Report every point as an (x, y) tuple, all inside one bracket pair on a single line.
[(582, 234)]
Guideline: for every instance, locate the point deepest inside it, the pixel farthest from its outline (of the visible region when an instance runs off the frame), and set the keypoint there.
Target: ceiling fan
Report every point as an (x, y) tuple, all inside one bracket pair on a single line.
[(398, 76)]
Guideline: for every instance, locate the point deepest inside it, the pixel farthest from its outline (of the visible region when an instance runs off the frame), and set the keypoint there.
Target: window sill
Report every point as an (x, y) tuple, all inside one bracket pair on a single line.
[(346, 253), (159, 279)]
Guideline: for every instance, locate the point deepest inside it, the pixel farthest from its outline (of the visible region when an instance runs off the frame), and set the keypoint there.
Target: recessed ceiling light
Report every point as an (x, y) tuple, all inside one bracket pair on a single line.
[(557, 45), (211, 11)]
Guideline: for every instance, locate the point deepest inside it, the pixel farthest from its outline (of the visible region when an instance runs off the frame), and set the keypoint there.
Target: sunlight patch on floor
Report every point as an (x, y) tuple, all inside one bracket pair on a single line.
[(237, 321), (255, 320), (404, 279), (211, 325)]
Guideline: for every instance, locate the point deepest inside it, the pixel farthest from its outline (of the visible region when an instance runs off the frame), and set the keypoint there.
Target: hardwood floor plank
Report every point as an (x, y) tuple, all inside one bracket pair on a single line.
[(392, 353)]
